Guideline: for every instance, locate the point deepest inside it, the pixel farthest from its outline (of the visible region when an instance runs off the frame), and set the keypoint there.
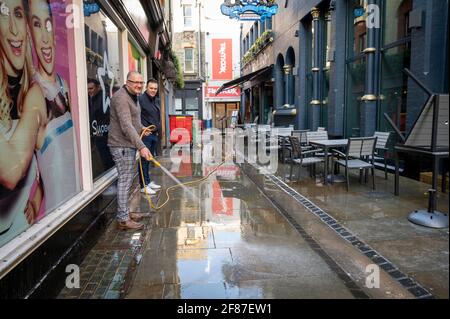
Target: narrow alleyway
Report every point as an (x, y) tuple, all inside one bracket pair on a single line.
[(242, 233), (232, 243)]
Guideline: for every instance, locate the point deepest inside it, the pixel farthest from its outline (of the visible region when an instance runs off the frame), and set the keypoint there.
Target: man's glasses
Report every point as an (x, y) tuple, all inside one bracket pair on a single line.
[(136, 82)]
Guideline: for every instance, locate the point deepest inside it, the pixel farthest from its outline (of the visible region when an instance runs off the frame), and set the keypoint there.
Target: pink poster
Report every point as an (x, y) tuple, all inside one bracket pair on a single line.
[(38, 148)]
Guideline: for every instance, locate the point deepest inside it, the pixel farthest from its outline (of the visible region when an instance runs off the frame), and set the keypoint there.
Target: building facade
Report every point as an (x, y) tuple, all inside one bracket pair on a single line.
[(258, 74), (52, 201), (342, 61), (340, 64), (222, 63), (189, 46)]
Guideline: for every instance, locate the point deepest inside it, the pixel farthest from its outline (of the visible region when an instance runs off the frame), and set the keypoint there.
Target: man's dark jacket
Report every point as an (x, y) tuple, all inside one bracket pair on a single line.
[(150, 111)]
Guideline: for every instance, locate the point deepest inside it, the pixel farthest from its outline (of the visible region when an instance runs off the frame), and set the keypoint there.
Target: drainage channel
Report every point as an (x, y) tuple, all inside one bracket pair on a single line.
[(404, 280), (351, 285)]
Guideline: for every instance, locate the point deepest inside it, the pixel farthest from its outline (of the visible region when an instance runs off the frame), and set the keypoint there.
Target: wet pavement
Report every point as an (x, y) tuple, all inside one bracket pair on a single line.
[(230, 243), (379, 219), (243, 234)]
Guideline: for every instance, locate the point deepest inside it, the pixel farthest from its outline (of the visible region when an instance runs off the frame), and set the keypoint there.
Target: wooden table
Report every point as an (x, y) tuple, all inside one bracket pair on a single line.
[(326, 145)]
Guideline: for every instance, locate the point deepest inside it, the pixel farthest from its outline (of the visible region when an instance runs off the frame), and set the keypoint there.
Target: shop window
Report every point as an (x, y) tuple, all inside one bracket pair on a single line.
[(262, 27), (290, 78), (357, 27), (269, 23), (100, 45), (103, 72), (188, 60), (356, 72), (94, 44), (396, 20), (394, 86), (362, 42), (178, 106), (87, 36), (279, 82), (46, 173), (187, 14), (192, 106), (396, 56), (356, 66), (134, 58)]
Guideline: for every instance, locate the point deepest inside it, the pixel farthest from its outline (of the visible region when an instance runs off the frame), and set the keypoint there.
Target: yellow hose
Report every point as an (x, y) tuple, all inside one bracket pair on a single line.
[(151, 128)]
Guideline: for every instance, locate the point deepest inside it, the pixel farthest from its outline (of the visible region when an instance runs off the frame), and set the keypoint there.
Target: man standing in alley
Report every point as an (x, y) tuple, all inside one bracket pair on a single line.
[(150, 115), (123, 140)]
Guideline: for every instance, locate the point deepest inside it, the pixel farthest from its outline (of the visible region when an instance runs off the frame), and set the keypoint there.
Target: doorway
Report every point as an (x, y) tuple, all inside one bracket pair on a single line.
[(222, 114)]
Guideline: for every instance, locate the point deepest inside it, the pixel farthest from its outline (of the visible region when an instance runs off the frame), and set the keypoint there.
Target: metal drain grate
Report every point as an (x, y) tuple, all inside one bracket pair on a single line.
[(408, 283)]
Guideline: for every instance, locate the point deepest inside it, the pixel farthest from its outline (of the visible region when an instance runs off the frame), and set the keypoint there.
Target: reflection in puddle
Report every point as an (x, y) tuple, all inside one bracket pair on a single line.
[(229, 242)]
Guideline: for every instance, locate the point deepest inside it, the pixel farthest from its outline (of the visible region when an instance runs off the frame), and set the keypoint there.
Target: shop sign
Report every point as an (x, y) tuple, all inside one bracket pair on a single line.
[(249, 9), (358, 12), (210, 91), (222, 59), (90, 7)]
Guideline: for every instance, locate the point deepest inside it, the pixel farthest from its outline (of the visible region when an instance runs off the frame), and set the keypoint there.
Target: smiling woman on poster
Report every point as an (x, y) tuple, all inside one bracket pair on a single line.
[(56, 157), (37, 142), (22, 121)]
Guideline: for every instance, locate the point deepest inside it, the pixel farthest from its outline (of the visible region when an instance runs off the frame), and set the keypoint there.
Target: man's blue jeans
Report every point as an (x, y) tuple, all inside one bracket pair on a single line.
[(151, 142)]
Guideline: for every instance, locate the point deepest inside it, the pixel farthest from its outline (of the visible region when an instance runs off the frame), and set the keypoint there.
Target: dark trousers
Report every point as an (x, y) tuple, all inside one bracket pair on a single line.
[(151, 142)]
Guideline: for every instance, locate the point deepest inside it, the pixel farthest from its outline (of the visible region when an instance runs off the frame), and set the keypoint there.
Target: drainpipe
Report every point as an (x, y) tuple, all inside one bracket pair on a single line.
[(316, 103), (369, 100), (200, 75)]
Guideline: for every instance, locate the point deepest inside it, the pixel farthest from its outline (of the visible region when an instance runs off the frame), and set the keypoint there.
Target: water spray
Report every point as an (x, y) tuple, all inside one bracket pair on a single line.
[(150, 129)]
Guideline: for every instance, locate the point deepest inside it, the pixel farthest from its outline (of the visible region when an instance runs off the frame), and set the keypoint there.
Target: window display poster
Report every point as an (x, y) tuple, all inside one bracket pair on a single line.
[(134, 58), (103, 79), (38, 148)]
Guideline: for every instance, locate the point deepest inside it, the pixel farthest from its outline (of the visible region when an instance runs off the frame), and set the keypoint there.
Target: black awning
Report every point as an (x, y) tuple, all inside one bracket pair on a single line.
[(245, 78)]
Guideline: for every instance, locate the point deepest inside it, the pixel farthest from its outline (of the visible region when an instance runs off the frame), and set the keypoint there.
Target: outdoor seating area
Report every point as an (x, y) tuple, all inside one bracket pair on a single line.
[(330, 159), (309, 148)]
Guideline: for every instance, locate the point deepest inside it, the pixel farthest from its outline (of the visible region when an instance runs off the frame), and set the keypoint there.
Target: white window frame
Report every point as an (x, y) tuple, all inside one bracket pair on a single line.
[(185, 17), (184, 61)]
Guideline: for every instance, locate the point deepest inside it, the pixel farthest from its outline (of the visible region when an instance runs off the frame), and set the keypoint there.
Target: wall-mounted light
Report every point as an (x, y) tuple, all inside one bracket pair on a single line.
[(287, 69)]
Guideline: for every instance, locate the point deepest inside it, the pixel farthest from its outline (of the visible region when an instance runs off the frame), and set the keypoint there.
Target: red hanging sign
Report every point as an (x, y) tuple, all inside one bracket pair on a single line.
[(222, 59)]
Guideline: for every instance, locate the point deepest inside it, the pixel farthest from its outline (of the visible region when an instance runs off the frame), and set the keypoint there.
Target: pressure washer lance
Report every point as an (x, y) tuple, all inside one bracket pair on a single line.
[(151, 128)]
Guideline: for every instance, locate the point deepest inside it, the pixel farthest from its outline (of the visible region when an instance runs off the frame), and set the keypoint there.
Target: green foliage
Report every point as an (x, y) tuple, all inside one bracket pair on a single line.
[(263, 40), (180, 81)]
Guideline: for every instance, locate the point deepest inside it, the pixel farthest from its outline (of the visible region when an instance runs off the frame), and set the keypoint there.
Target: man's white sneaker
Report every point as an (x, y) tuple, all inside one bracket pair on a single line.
[(148, 190), (154, 185)]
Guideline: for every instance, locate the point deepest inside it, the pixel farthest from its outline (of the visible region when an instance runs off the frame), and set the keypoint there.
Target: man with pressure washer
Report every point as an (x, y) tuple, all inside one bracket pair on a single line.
[(124, 139), (150, 117)]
